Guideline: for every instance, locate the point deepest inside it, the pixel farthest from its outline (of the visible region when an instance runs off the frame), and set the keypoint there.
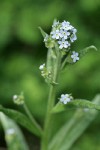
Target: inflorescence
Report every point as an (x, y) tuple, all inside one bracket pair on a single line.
[(61, 37), (63, 34)]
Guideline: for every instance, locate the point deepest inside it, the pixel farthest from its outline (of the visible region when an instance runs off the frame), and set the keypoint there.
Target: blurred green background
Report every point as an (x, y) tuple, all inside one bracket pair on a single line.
[(22, 51)]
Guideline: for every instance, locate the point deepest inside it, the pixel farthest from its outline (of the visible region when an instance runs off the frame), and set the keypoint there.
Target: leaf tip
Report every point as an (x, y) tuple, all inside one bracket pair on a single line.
[(93, 47)]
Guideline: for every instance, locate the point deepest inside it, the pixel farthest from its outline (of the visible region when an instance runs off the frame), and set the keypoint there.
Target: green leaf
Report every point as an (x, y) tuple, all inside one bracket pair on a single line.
[(77, 103), (13, 135), (21, 119), (42, 32), (86, 50), (72, 129)]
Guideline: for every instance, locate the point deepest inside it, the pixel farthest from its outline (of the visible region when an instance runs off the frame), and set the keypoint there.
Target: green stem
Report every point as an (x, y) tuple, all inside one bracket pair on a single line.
[(51, 101), (64, 62), (32, 118)]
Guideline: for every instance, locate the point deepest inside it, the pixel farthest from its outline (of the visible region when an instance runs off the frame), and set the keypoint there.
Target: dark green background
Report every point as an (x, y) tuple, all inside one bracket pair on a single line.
[(22, 51)]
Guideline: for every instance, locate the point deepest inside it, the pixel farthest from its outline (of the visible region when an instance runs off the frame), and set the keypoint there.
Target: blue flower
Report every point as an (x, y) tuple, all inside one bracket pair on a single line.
[(64, 34), (66, 25), (63, 44), (73, 37), (74, 56), (65, 98), (56, 34)]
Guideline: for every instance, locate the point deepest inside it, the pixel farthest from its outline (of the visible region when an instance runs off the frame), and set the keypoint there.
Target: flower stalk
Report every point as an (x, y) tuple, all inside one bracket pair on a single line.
[(58, 43), (51, 102)]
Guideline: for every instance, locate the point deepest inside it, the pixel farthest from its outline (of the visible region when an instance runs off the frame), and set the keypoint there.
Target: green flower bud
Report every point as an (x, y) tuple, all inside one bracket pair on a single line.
[(18, 99)]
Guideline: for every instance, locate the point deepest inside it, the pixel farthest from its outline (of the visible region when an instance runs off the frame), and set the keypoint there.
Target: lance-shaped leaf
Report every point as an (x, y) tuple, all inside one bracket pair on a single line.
[(72, 129), (86, 50), (13, 135), (21, 119), (42, 32), (77, 103)]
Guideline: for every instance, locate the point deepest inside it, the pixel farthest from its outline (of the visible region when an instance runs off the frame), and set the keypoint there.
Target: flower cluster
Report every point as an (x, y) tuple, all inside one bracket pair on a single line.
[(63, 33), (65, 98)]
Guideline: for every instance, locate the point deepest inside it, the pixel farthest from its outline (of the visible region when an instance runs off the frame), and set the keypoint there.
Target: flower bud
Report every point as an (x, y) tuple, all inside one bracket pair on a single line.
[(18, 99)]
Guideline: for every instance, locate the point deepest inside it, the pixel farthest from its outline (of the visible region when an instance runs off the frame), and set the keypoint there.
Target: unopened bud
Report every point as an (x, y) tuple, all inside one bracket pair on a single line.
[(18, 99)]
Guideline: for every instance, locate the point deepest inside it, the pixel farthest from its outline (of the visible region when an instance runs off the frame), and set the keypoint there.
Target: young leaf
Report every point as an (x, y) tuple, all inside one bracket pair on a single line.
[(21, 119), (42, 32), (77, 103), (13, 135), (70, 131), (87, 49)]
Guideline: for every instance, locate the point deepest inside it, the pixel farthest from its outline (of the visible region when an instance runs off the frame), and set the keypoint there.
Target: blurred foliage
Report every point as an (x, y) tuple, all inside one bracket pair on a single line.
[(22, 51), (13, 135)]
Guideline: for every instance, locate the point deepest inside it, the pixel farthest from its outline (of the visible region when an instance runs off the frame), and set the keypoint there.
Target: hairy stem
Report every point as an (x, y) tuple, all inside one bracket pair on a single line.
[(51, 101)]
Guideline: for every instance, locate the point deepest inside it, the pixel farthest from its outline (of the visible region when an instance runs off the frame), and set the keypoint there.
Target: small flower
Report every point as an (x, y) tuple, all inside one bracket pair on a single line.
[(63, 44), (65, 98), (66, 25), (74, 30), (74, 56), (56, 34), (42, 67), (64, 34), (73, 37)]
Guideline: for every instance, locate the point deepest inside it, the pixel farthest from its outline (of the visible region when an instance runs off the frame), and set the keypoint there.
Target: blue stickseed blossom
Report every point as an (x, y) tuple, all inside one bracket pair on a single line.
[(75, 56), (66, 26), (73, 37), (65, 98), (62, 34), (56, 34), (74, 30), (63, 44)]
